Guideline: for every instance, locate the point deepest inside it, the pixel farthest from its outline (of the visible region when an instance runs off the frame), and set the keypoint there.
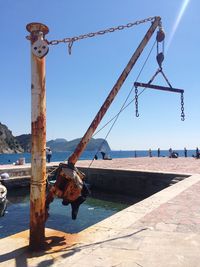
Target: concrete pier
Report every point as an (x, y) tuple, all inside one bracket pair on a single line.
[(180, 165), (162, 230)]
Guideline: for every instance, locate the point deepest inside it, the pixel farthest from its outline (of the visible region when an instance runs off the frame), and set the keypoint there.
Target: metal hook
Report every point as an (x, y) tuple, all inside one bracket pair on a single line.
[(136, 102), (70, 47), (182, 108)]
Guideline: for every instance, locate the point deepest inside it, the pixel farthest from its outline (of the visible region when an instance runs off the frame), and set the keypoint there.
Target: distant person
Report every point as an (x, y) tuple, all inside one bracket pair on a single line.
[(107, 157), (49, 155), (96, 157), (158, 152), (197, 153), (174, 155), (170, 152), (103, 154), (16, 162), (150, 153), (185, 152), (135, 154)]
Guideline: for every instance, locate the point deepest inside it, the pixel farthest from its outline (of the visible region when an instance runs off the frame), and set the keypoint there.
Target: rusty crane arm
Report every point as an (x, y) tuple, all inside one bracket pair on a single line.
[(88, 135)]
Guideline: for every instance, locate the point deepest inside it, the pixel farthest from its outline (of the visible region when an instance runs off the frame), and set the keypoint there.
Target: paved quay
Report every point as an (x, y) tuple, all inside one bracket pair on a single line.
[(163, 164), (162, 230)]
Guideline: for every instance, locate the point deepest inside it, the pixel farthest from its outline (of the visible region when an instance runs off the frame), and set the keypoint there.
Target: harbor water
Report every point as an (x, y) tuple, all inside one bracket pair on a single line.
[(96, 208), (89, 155)]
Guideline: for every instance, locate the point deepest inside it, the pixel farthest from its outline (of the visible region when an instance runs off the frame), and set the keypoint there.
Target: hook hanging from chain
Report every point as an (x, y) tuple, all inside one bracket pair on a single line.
[(70, 46), (136, 102), (182, 108), (160, 57)]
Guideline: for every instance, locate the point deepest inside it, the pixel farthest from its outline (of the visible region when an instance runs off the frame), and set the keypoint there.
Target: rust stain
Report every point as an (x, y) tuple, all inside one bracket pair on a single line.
[(40, 123), (57, 241), (37, 216), (54, 242)]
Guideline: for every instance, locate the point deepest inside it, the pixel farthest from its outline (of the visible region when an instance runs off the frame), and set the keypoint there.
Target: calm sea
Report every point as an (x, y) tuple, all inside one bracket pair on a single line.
[(89, 155), (96, 208)]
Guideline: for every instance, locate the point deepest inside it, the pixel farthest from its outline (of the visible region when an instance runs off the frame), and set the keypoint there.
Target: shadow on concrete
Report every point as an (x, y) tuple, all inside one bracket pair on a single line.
[(81, 247), (53, 245), (21, 255)]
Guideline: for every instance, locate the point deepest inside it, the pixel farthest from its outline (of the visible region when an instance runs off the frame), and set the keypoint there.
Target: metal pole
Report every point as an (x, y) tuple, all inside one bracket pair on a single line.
[(38, 131), (86, 138)]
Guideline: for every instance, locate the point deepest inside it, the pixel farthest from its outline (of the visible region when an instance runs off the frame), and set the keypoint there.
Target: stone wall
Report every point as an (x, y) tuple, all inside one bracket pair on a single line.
[(137, 183), (133, 183)]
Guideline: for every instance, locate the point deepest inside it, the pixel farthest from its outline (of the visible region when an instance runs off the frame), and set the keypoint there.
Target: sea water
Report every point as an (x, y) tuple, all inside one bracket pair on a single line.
[(93, 210), (89, 155)]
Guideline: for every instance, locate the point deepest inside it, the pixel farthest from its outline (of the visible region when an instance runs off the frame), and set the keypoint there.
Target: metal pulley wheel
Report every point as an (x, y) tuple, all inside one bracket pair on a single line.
[(160, 58), (40, 48), (160, 35)]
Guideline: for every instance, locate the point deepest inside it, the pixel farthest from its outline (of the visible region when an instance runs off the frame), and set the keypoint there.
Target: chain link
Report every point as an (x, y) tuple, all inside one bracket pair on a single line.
[(182, 108), (136, 102), (101, 32)]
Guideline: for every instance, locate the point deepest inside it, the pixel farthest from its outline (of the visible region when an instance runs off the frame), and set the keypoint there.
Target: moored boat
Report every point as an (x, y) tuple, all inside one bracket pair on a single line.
[(3, 199)]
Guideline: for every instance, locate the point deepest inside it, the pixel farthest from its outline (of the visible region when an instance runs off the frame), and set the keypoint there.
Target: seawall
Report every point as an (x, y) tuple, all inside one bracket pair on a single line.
[(120, 181)]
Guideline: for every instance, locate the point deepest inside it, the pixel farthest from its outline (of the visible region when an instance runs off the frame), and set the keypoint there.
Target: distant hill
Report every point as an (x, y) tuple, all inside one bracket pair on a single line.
[(25, 141), (58, 145), (22, 143), (8, 143), (62, 145)]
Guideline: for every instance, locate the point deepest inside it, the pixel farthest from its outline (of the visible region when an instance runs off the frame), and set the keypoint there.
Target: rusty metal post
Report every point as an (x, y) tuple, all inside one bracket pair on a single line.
[(86, 138), (38, 131)]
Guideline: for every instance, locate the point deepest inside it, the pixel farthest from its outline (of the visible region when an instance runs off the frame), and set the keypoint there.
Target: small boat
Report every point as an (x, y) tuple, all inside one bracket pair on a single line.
[(3, 199)]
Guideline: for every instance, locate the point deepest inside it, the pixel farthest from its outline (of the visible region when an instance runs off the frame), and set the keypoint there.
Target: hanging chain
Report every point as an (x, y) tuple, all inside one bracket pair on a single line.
[(71, 40), (136, 102), (136, 92), (182, 108)]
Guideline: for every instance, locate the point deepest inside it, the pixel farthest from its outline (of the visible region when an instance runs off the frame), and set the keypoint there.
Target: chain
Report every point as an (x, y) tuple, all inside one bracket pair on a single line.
[(71, 40), (182, 108), (136, 102)]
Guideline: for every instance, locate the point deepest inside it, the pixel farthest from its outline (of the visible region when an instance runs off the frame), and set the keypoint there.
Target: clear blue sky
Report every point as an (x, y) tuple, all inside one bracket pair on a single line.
[(78, 84)]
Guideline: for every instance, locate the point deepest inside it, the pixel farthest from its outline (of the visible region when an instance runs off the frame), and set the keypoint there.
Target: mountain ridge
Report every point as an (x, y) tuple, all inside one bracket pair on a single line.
[(8, 143), (22, 143)]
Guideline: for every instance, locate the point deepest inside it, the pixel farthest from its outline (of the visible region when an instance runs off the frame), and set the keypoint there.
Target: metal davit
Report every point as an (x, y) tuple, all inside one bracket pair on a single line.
[(69, 182)]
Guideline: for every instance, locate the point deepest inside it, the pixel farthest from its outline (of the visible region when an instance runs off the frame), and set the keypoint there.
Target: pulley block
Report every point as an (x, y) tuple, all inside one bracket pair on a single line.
[(40, 47), (160, 58), (160, 35)]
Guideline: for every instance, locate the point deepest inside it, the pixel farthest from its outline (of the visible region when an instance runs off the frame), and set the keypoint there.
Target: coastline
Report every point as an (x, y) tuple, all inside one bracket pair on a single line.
[(89, 155)]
